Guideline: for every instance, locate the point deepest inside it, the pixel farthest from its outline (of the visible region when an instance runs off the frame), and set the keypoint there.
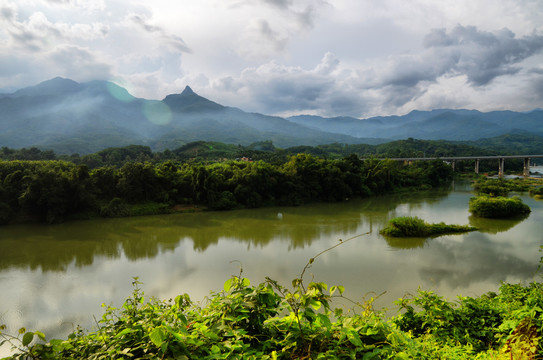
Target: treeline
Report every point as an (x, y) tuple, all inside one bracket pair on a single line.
[(204, 151), (54, 190)]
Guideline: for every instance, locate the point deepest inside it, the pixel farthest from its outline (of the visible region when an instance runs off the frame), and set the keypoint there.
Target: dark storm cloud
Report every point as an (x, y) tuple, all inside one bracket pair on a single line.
[(482, 56), (174, 41), (479, 55)]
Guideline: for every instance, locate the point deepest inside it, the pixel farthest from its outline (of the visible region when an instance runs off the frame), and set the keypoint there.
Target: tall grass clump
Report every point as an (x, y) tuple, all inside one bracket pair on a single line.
[(498, 207), (537, 193), (500, 187), (407, 226)]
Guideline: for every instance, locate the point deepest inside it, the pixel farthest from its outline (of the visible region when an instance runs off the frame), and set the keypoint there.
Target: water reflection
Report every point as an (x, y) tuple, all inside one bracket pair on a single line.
[(405, 243), (476, 259), (54, 276), (53, 248), (494, 226)]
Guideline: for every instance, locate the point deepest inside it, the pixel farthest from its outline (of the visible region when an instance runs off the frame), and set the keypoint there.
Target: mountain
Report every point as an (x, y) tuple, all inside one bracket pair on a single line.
[(441, 124), (71, 117)]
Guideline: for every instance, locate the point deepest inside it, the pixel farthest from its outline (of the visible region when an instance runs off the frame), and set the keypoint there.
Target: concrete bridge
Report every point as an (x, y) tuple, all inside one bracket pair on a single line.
[(501, 160)]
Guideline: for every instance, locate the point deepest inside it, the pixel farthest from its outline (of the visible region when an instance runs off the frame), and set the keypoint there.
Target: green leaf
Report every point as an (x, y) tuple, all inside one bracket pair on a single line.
[(27, 338), (158, 335), (40, 335), (228, 284), (315, 304), (124, 332), (354, 338)]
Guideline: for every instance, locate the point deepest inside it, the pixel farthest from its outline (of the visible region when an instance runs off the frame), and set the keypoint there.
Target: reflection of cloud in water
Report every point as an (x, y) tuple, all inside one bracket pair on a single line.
[(494, 226), (476, 259)]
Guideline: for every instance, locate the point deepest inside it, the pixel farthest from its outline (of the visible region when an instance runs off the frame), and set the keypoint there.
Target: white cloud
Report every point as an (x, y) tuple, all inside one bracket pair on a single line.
[(335, 57)]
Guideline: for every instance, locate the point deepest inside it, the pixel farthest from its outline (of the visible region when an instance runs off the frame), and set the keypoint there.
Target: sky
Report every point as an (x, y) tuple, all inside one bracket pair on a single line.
[(358, 58)]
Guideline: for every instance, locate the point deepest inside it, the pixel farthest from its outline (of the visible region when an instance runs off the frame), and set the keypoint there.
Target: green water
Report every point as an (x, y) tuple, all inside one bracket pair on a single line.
[(53, 278)]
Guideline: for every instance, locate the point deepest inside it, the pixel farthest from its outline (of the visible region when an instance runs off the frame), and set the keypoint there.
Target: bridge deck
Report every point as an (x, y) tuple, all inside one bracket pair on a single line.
[(450, 158)]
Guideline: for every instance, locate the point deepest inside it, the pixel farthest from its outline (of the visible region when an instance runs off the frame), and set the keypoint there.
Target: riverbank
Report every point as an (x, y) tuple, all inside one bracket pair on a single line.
[(54, 191)]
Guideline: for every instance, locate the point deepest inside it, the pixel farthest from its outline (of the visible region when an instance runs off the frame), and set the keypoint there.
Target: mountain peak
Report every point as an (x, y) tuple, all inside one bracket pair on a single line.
[(55, 86), (189, 101), (188, 91)]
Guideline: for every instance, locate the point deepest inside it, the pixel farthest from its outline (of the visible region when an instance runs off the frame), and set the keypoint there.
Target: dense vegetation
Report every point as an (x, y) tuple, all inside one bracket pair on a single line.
[(407, 226), (498, 207), (500, 187), (271, 321), (53, 190), (537, 193), (492, 200), (265, 150)]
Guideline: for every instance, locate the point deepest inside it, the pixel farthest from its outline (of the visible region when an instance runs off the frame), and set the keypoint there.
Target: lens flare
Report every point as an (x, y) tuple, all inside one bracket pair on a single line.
[(157, 112)]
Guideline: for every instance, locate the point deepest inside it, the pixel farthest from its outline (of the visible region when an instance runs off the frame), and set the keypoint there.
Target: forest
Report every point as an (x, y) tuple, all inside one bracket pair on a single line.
[(56, 190)]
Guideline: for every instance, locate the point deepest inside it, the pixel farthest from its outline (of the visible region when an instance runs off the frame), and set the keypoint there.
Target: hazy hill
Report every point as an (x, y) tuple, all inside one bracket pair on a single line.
[(441, 124), (70, 117)]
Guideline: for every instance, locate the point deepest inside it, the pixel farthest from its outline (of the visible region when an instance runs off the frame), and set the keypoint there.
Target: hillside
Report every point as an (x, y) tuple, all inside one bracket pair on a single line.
[(70, 117)]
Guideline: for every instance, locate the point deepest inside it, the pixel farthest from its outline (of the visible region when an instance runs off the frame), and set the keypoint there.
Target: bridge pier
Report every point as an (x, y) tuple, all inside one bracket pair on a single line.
[(477, 166), (453, 164), (526, 171), (501, 167)]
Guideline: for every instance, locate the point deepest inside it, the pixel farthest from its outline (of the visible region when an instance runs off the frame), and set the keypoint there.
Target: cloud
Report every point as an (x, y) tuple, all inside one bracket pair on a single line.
[(93, 5), (78, 63), (37, 33), (482, 55), (476, 58), (173, 41), (304, 14), (279, 89), (260, 41)]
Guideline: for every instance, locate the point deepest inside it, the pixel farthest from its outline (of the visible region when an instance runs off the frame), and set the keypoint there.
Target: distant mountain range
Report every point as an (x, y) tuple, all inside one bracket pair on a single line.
[(443, 124), (71, 117)]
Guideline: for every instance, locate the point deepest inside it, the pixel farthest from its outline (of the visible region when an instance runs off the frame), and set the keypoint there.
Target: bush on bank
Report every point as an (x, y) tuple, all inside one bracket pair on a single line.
[(499, 187), (408, 226), (498, 207)]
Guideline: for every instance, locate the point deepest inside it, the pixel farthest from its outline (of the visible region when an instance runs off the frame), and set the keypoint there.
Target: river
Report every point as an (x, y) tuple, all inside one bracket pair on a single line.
[(54, 277)]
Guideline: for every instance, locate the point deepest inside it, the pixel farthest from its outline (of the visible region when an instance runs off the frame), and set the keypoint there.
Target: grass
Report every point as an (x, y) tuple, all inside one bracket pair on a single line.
[(407, 226), (498, 207)]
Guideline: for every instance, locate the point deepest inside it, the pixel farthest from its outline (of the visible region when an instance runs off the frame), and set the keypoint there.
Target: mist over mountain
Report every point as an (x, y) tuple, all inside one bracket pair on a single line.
[(442, 124), (71, 117)]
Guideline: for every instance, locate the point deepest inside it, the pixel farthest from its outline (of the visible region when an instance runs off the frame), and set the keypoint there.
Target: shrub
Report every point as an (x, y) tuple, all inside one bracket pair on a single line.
[(498, 207), (500, 187), (416, 227), (115, 208), (537, 193)]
